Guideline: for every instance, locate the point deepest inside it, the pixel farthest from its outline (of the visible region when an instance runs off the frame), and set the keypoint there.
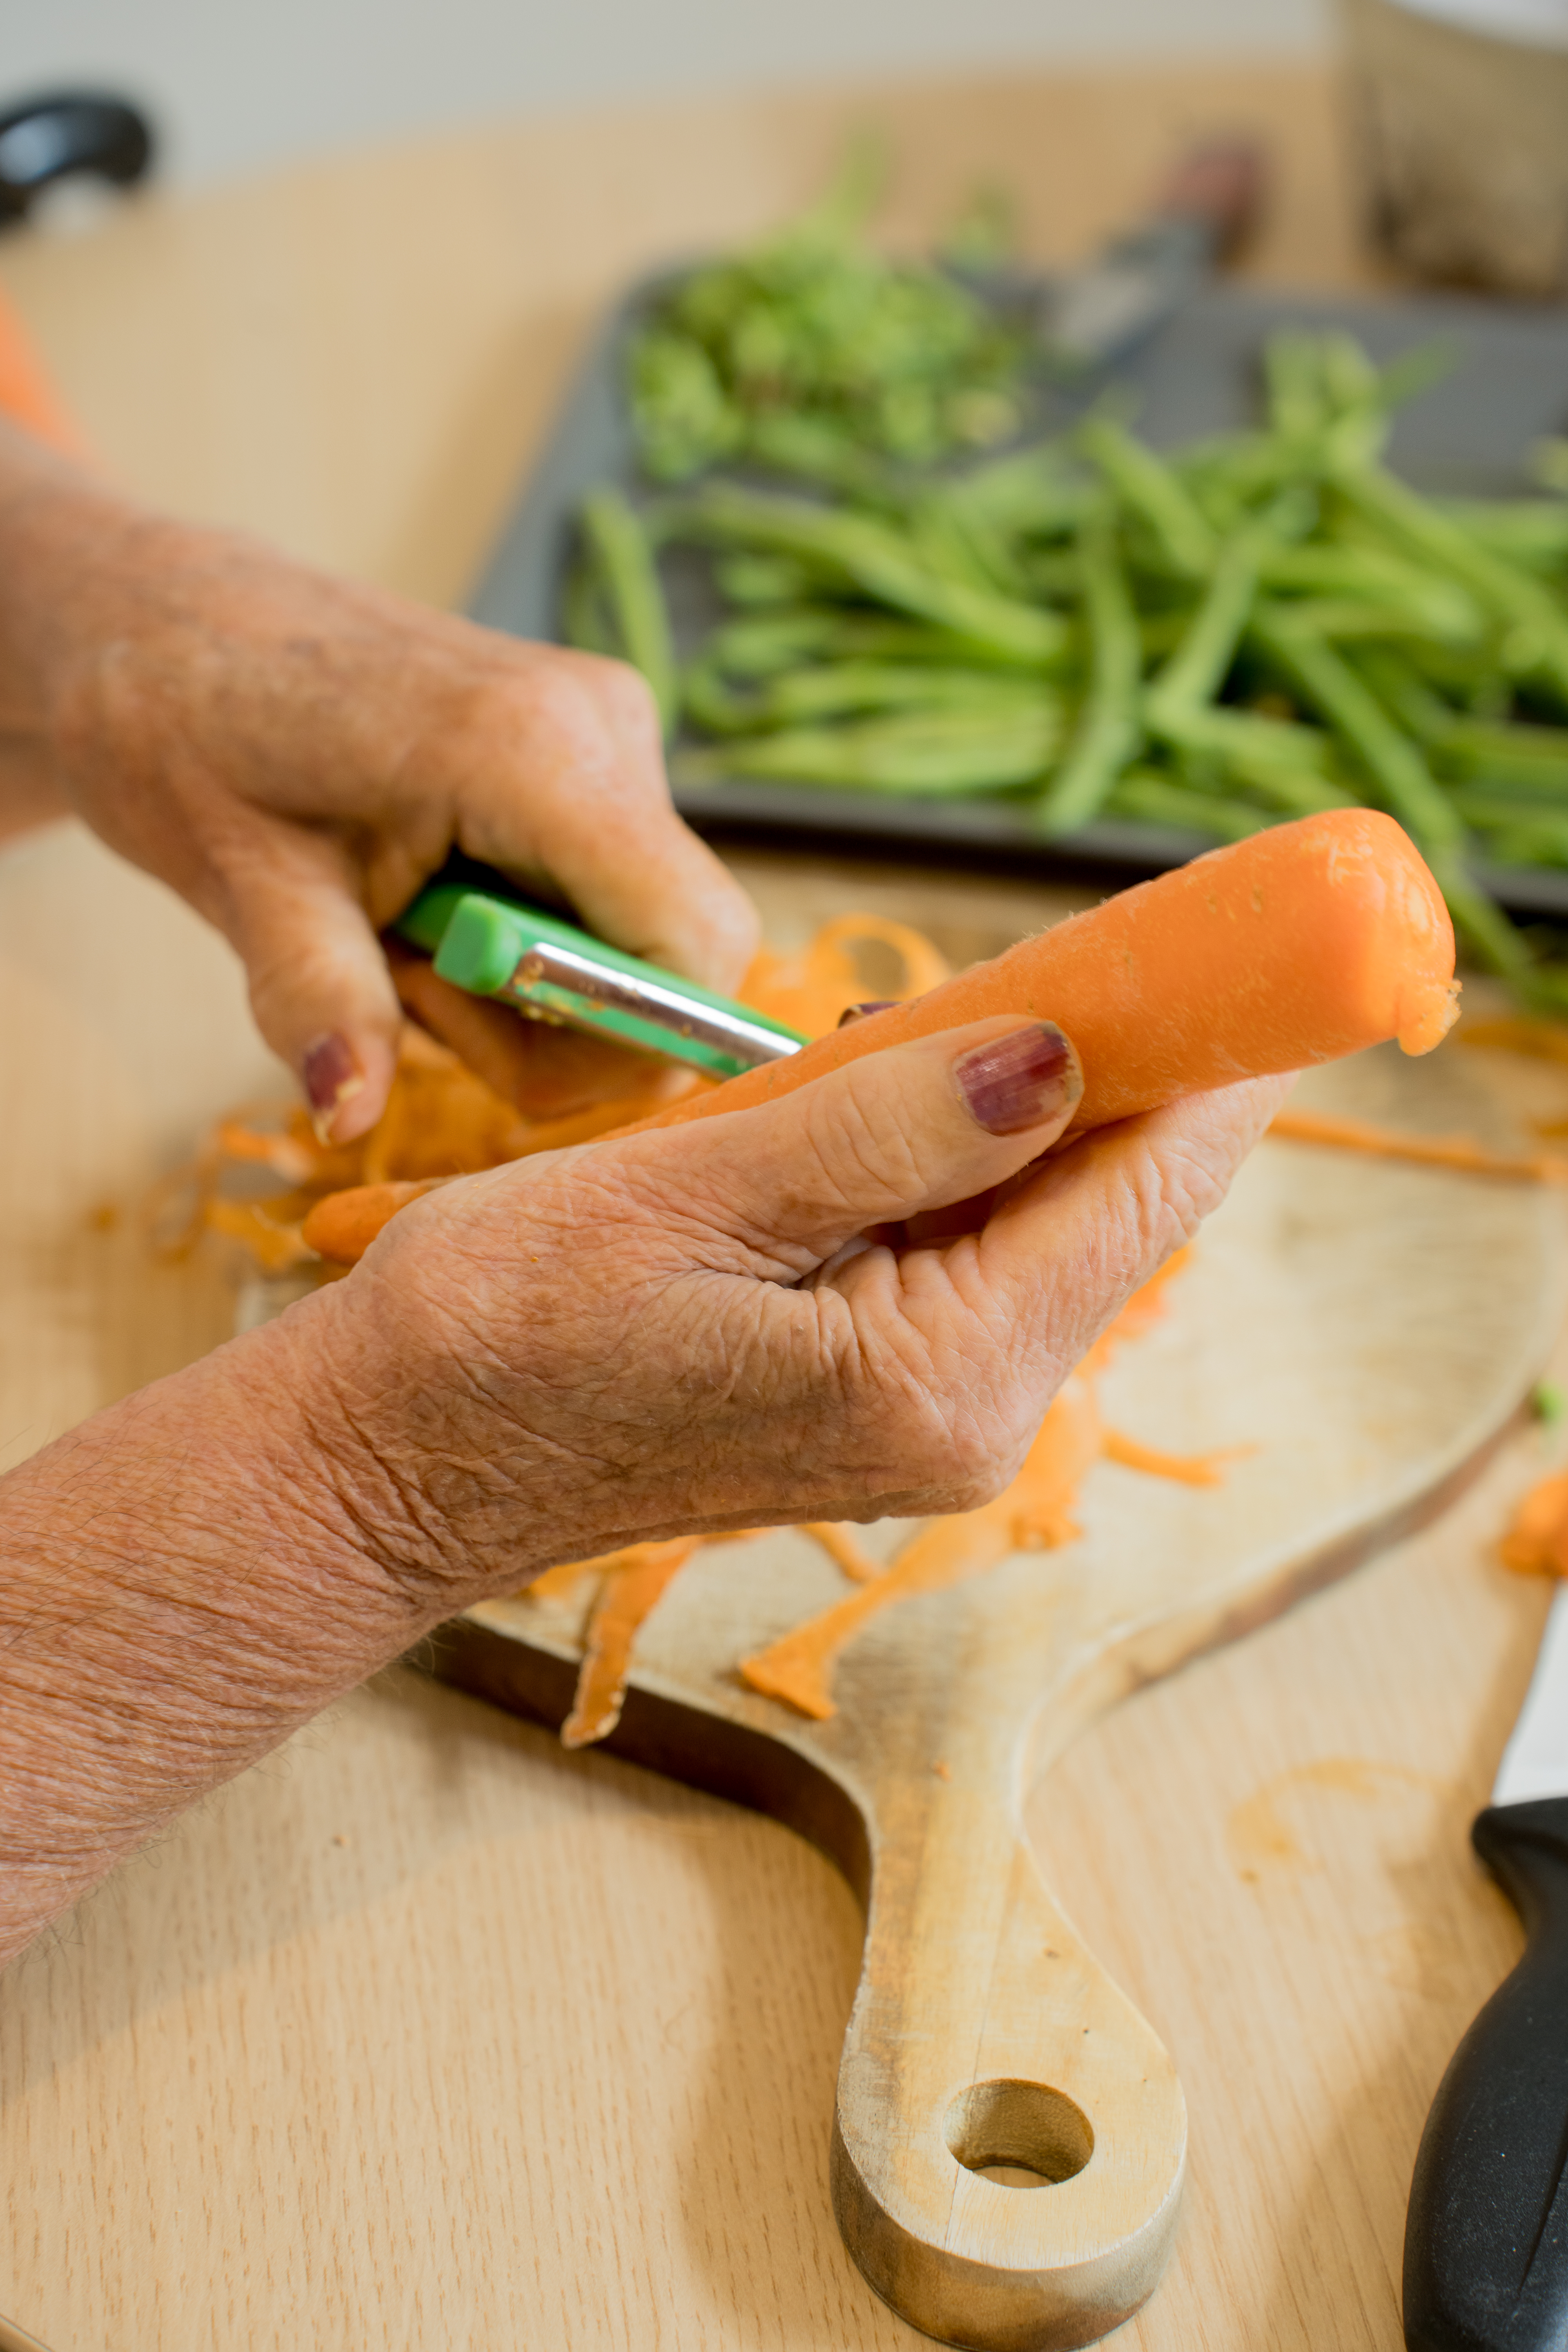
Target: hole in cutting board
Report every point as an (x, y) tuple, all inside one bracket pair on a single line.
[(1019, 2135)]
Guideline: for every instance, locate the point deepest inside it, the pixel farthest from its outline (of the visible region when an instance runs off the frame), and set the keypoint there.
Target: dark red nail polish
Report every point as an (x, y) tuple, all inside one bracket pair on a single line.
[(331, 1074), (1019, 1081), (859, 1012)]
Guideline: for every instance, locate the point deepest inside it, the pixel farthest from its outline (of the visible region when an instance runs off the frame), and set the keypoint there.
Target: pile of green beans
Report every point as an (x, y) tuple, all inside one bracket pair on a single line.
[(1264, 624), (812, 350)]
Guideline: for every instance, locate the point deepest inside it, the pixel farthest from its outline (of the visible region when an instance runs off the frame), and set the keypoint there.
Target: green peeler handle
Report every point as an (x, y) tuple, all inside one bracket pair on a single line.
[(495, 944)]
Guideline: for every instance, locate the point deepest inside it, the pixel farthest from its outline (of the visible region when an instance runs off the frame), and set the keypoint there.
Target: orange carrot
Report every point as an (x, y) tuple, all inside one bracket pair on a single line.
[(1298, 945), (343, 1225)]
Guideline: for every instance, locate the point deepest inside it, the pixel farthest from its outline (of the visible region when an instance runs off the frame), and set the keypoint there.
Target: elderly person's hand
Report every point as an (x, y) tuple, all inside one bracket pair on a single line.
[(726, 1323), (296, 754), (708, 1326), (853, 1301)]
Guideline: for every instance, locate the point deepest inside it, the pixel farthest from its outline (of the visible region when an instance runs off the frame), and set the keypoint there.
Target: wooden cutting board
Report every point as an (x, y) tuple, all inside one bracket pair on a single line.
[(1369, 1328)]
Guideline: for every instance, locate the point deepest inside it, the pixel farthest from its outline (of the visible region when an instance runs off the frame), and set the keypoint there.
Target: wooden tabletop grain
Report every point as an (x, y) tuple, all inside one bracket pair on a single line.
[(426, 2033)]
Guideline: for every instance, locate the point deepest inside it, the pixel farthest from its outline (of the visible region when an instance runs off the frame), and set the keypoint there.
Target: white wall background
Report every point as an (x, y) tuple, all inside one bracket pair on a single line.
[(240, 84)]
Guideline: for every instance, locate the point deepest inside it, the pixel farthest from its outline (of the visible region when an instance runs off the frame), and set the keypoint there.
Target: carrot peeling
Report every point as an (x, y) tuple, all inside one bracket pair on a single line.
[(1036, 1513), (1536, 1543), (1458, 1151)]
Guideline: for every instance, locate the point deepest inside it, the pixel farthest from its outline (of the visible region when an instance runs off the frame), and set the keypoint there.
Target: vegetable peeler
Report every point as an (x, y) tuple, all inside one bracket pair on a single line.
[(493, 943)]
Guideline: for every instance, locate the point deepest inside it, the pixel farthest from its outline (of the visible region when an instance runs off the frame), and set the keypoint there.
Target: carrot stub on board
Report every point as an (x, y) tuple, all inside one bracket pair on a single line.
[(1296, 946)]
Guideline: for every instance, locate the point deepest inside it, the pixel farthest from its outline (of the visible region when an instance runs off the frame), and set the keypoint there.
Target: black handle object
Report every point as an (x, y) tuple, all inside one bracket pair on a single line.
[(1486, 2243), (48, 137)]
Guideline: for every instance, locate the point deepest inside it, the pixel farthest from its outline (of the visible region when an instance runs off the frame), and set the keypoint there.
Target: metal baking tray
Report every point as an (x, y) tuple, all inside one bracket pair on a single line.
[(1470, 434)]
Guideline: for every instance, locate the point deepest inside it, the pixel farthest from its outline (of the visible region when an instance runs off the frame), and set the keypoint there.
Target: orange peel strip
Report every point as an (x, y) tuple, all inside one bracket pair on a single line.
[(1536, 1543), (1457, 1152), (1034, 1514), (1181, 1469), (1543, 1041), (843, 1550), (638, 1579)]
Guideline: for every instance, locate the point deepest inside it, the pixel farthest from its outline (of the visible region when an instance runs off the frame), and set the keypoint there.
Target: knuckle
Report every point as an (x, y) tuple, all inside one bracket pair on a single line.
[(625, 696), (585, 715), (549, 704)]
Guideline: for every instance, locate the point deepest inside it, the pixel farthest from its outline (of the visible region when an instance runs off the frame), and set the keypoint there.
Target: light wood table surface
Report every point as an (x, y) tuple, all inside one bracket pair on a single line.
[(427, 2034)]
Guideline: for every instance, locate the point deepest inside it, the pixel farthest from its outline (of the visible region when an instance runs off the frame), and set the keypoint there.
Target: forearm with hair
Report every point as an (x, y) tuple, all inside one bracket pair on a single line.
[(187, 1577)]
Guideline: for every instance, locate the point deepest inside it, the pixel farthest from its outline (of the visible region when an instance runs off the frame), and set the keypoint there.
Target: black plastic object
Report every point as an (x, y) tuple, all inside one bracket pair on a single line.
[(1470, 434), (1485, 2243), (65, 131)]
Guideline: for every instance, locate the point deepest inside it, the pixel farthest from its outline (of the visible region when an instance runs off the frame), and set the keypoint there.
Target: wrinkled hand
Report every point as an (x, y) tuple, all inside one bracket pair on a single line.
[(295, 754), (729, 1322)]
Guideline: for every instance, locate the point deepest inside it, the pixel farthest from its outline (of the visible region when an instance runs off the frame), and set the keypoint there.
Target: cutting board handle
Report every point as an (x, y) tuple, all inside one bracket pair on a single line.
[(984, 2036)]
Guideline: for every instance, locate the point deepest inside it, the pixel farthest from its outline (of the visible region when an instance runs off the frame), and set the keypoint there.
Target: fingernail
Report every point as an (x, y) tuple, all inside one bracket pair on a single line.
[(1019, 1081), (332, 1077), (859, 1012)]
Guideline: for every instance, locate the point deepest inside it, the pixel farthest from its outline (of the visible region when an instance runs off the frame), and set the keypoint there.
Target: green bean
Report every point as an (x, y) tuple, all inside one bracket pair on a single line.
[(1523, 819), (1276, 757), (710, 703), (1342, 617), (830, 690), (760, 643), (1534, 758), (942, 537), (1370, 577), (1528, 846), (1544, 791), (899, 635), (765, 580), (948, 752), (1154, 491), (1278, 774), (1404, 692), (1385, 757), (1161, 633), (817, 449), (1198, 668), (1195, 672), (629, 586), (1401, 777), (1154, 799), (879, 561), (1109, 727), (683, 417), (1532, 532), (1539, 623), (815, 352), (1034, 494), (1291, 373)]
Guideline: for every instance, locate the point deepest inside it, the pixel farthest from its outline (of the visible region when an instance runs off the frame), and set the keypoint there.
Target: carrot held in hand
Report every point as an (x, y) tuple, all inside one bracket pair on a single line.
[(1298, 945)]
